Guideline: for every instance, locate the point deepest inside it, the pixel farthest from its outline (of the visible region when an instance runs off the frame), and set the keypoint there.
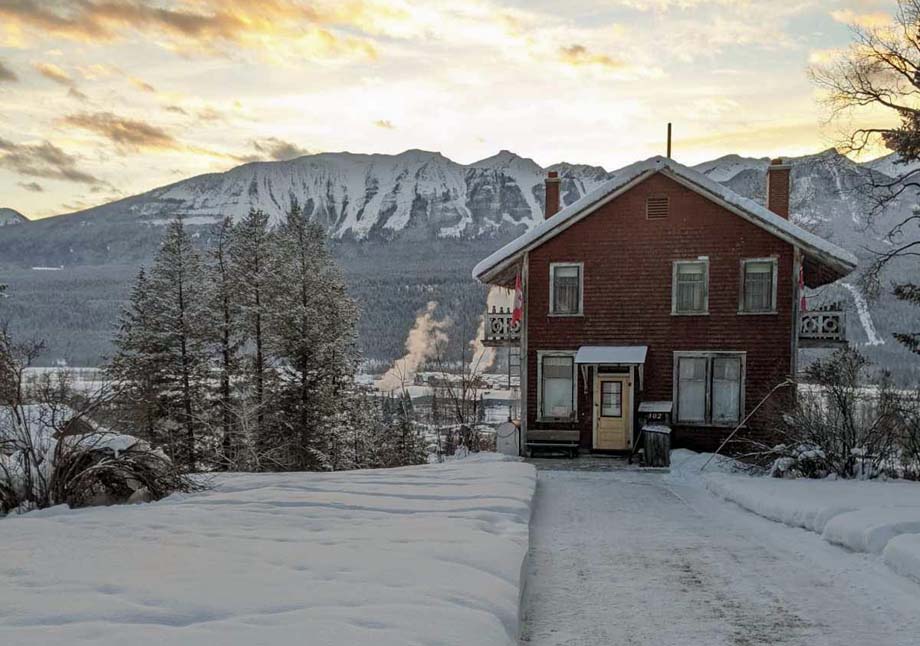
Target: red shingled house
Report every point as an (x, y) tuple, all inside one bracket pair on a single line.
[(661, 287)]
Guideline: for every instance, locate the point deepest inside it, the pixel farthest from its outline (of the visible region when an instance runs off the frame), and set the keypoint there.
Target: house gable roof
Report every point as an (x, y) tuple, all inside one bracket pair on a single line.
[(827, 253)]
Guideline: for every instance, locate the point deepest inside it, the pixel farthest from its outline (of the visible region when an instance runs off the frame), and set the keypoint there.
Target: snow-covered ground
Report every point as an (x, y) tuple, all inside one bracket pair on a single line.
[(622, 556), (863, 516), (418, 555)]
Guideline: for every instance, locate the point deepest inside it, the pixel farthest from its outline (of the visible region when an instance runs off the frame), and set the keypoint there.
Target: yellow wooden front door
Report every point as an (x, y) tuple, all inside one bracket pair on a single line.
[(612, 413)]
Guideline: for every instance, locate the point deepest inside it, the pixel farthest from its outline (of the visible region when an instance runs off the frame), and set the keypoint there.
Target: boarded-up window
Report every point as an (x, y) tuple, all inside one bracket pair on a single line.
[(758, 286), (557, 393), (690, 289), (657, 207)]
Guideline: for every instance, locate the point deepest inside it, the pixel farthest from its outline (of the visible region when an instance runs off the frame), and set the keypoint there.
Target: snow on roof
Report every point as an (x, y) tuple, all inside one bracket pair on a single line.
[(611, 354), (627, 176)]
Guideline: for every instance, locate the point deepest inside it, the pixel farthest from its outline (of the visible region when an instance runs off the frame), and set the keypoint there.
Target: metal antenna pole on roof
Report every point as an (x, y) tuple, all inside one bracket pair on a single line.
[(669, 140)]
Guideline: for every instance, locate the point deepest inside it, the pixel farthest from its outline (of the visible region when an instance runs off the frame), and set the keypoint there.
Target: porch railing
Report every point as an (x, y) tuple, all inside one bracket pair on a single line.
[(500, 330), (825, 326)]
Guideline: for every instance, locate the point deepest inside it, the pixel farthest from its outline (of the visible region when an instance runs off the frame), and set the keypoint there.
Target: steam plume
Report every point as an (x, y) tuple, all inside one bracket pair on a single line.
[(422, 343)]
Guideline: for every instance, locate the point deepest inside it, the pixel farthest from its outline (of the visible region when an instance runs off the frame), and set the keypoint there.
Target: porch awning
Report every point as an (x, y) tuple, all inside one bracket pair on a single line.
[(611, 354)]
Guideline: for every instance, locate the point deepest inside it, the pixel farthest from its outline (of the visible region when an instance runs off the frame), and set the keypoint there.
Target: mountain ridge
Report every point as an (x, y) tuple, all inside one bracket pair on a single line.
[(10, 216), (419, 217)]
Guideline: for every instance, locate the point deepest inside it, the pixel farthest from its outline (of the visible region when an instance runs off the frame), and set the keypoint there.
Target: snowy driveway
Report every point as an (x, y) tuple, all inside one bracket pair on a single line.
[(622, 557)]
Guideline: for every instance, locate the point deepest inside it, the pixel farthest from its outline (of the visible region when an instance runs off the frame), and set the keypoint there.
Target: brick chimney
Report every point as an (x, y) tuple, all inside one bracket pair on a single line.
[(552, 194), (778, 187)]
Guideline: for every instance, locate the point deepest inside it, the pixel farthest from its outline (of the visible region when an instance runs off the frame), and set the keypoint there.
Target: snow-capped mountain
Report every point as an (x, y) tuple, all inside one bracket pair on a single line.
[(420, 221), (11, 216), (725, 168), (891, 165), (416, 193)]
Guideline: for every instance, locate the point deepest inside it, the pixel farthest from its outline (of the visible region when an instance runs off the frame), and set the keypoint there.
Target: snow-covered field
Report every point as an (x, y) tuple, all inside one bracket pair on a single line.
[(863, 516), (418, 555)]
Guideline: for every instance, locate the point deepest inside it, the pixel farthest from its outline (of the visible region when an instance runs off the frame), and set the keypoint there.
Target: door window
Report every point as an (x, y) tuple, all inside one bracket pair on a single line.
[(612, 399)]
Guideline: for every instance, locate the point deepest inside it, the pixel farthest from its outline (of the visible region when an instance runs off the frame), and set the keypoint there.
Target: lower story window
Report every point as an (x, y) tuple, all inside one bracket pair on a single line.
[(557, 387), (709, 387)]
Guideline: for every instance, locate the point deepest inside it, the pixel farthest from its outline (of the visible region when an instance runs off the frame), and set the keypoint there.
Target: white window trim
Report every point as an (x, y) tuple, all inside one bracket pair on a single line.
[(709, 355), (552, 288), (556, 353), (674, 267), (743, 312)]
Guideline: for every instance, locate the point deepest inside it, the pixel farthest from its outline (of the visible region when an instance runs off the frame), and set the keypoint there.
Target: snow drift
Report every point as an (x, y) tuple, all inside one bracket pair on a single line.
[(417, 555), (863, 516)]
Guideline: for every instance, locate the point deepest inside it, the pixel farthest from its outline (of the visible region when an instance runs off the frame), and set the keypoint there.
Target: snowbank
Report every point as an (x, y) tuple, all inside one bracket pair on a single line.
[(420, 555), (902, 554), (864, 516)]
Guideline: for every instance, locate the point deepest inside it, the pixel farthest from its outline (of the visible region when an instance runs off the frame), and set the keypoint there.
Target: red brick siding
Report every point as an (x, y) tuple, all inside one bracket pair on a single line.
[(778, 190), (627, 296)]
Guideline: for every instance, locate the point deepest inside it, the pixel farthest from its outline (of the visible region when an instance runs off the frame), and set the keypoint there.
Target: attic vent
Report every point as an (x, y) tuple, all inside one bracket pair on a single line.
[(657, 207)]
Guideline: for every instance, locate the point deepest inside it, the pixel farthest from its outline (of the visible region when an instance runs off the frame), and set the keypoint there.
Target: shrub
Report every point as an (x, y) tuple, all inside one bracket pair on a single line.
[(909, 437), (842, 422)]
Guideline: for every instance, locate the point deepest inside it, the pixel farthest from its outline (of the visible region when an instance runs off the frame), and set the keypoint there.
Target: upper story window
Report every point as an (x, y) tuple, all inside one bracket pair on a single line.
[(758, 286), (565, 288), (690, 287)]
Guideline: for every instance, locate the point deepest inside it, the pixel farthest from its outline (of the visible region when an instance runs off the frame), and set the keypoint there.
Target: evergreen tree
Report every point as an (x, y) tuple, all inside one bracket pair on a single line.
[(252, 266), (909, 293), (136, 366), (225, 336), (312, 325), (407, 443), (162, 343)]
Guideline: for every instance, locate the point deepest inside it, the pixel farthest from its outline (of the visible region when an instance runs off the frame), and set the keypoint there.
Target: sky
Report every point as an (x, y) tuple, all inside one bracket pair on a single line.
[(101, 99)]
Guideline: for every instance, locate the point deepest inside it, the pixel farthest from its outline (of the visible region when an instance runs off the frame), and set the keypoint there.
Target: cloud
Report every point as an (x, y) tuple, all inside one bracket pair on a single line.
[(43, 160), (77, 94), (208, 26), (176, 109), (870, 20), (97, 71), (57, 75), (129, 135), (578, 55), (54, 73), (142, 85), (667, 5), (386, 124), (6, 74), (209, 114), (33, 187), (824, 56), (274, 149)]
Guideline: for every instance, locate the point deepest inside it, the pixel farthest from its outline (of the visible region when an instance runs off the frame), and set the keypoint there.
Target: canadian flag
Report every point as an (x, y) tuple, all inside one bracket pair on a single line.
[(803, 305), (518, 309)]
